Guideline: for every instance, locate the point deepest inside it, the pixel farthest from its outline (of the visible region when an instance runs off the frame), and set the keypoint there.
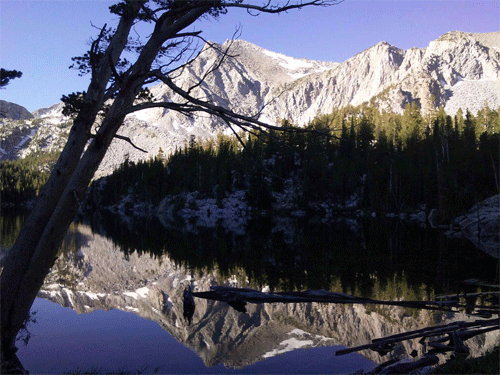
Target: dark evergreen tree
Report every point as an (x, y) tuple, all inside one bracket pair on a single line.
[(7, 75)]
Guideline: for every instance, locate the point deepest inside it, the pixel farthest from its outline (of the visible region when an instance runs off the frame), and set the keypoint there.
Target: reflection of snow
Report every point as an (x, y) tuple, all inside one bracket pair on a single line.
[(131, 294), (141, 292), (206, 212), (295, 343), (68, 297), (288, 345), (297, 332), (323, 338), (92, 295)]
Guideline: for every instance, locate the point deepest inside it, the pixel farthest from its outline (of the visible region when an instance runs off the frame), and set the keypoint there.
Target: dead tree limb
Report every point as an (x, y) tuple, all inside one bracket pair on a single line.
[(456, 339), (406, 367), (244, 296)]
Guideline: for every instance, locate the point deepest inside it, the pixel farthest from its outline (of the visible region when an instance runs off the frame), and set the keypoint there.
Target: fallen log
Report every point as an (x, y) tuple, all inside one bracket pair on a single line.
[(463, 295), (456, 332), (239, 297), (458, 344), (407, 367), (492, 324)]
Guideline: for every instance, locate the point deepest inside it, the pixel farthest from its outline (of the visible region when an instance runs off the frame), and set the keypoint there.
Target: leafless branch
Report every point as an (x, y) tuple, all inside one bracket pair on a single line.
[(208, 45), (150, 13), (216, 65), (94, 49), (219, 111), (118, 79), (127, 139), (270, 8)]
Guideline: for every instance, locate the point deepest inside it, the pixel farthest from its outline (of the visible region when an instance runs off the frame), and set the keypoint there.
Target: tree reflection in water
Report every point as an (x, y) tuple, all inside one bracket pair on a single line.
[(379, 259), (369, 258)]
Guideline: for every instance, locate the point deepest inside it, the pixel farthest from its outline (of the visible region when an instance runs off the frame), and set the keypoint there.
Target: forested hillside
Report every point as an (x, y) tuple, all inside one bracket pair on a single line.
[(386, 161), (21, 180)]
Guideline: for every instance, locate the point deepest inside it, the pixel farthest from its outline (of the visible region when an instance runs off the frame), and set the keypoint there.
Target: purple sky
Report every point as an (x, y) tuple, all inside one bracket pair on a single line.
[(40, 37)]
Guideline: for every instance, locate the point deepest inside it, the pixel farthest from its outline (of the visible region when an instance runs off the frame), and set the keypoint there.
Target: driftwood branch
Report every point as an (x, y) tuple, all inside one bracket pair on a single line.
[(457, 333), (379, 368), (243, 296), (406, 367), (443, 338)]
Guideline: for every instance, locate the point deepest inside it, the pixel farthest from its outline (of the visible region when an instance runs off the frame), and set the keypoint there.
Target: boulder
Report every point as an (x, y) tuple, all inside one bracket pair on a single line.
[(481, 225)]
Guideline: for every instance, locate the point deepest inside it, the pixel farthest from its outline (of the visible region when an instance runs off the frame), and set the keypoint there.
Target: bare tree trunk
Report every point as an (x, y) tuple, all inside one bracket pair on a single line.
[(51, 217), (36, 248), (35, 251)]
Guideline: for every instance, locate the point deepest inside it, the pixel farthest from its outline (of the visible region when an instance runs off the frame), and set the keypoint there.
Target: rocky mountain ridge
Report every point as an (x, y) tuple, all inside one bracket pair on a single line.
[(458, 70), (13, 111)]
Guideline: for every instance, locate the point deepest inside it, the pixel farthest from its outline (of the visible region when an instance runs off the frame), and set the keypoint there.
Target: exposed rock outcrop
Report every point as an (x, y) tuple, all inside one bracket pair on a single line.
[(97, 275), (13, 111), (481, 225), (458, 70)]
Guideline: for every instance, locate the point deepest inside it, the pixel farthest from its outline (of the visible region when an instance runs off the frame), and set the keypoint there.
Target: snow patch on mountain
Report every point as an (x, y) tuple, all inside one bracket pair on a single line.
[(461, 70), (26, 138), (298, 68)]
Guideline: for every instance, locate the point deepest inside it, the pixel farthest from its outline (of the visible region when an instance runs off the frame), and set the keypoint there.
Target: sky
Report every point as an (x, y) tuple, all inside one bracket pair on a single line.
[(39, 38)]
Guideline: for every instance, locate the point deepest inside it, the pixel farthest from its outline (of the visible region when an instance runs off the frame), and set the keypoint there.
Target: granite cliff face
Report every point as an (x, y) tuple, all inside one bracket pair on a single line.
[(458, 70), (273, 86), (13, 111), (92, 273), (481, 225)]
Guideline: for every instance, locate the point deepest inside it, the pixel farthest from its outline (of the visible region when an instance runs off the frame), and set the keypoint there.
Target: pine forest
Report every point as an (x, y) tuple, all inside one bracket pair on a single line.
[(390, 162)]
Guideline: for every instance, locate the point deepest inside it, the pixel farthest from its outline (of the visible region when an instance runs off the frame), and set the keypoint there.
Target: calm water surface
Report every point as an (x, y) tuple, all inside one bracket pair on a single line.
[(114, 298)]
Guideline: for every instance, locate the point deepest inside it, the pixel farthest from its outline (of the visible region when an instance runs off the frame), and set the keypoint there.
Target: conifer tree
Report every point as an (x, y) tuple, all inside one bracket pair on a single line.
[(112, 77)]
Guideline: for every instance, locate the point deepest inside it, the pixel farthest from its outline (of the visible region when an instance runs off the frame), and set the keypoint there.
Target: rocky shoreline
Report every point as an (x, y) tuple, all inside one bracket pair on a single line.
[(481, 226)]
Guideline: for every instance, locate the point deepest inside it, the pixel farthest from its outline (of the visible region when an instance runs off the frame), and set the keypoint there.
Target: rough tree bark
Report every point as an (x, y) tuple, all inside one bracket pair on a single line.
[(35, 231), (37, 245)]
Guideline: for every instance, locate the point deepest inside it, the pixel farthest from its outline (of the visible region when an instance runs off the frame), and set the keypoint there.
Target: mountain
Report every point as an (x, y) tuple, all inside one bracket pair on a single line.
[(458, 70), (92, 273), (46, 130), (13, 111)]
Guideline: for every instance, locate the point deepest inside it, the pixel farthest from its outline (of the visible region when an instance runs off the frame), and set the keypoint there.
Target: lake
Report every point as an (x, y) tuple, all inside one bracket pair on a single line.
[(113, 300)]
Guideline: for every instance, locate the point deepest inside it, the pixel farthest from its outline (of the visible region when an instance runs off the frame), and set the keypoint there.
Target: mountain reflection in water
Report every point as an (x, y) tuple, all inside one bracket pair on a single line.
[(142, 267)]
